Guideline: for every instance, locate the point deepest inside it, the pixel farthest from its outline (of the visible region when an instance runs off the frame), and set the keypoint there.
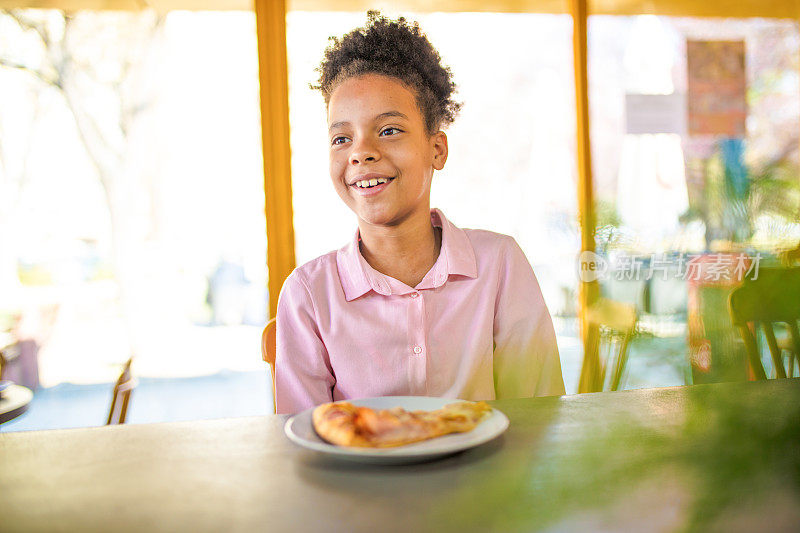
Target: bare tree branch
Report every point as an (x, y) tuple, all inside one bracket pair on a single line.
[(82, 118), (3, 166), (26, 158), (36, 73), (103, 170), (28, 24), (128, 113)]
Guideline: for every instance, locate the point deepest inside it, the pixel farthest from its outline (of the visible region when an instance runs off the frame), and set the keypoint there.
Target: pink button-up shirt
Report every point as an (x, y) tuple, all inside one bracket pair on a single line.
[(476, 327)]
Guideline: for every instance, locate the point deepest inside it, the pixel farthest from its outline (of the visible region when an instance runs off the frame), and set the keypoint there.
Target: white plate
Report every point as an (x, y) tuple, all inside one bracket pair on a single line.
[(300, 430)]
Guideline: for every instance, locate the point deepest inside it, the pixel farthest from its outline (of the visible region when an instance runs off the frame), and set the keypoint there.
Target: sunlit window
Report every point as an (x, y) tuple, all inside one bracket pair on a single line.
[(695, 128), (132, 202)]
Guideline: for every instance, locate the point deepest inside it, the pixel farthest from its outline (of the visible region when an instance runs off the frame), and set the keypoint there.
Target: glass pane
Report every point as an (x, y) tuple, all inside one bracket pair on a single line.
[(511, 162), (695, 127), (132, 208)]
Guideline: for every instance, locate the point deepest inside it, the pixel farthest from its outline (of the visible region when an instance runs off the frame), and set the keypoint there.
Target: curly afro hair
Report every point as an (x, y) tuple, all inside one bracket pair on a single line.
[(398, 50)]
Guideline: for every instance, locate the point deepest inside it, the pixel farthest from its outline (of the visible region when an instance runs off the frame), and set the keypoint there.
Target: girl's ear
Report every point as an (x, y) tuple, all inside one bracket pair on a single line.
[(439, 145)]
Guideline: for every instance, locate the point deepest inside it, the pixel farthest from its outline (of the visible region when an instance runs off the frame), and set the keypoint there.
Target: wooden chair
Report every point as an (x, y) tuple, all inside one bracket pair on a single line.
[(616, 321), (791, 257), (774, 297), (122, 395), (268, 350)]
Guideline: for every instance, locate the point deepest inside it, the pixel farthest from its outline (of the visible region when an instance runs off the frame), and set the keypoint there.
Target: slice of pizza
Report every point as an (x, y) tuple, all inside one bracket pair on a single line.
[(345, 424)]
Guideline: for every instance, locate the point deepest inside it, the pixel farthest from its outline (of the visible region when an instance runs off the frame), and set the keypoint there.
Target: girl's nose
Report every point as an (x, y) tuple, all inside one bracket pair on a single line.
[(363, 152)]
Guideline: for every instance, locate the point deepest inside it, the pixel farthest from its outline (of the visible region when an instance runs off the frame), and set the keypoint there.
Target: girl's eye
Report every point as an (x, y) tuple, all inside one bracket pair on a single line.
[(339, 140), (390, 131)]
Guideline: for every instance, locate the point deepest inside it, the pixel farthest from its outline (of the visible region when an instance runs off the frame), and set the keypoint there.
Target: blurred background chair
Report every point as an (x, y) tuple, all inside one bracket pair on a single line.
[(773, 297), (614, 321), (22, 335), (3, 362), (268, 350), (790, 258), (9, 347), (122, 395)]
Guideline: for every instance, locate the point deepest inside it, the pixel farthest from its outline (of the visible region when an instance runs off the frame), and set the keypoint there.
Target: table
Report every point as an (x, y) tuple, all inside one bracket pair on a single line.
[(718, 456), (14, 401)]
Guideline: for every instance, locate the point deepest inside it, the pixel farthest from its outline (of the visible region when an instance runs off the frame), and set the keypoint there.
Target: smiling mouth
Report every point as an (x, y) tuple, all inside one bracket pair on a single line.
[(374, 182)]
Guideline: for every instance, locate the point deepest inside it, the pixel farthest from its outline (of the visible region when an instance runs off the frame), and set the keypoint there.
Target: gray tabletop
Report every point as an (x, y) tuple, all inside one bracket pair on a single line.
[(723, 456)]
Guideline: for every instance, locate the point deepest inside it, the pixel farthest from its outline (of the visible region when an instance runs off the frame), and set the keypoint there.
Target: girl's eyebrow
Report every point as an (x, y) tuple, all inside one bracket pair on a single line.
[(386, 114)]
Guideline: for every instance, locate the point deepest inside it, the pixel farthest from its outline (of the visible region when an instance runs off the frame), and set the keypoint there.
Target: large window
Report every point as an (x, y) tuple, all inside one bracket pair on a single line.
[(132, 203), (695, 128)]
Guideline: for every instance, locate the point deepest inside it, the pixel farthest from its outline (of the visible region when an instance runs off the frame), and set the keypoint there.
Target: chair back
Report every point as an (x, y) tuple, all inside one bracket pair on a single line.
[(122, 395), (615, 321), (772, 298), (9, 350), (791, 257), (268, 351)]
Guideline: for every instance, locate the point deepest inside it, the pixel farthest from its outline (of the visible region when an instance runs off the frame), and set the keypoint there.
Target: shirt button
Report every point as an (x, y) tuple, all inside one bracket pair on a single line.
[(417, 350), (414, 294)]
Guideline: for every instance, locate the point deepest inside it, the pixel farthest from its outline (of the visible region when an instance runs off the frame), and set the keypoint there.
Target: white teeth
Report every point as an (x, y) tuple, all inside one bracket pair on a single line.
[(371, 183)]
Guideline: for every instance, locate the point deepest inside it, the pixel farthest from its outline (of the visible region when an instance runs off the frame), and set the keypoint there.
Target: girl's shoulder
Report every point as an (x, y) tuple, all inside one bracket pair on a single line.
[(319, 270), (496, 254), (489, 241)]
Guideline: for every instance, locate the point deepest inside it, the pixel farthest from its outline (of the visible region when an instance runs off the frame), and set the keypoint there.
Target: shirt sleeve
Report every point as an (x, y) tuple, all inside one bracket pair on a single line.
[(303, 374), (526, 361)]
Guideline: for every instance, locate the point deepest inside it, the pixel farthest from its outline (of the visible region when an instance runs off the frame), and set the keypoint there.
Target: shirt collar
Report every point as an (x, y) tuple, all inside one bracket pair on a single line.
[(456, 257)]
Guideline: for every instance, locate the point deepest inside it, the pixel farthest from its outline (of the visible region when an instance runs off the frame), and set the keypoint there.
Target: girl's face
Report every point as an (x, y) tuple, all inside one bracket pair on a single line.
[(381, 156)]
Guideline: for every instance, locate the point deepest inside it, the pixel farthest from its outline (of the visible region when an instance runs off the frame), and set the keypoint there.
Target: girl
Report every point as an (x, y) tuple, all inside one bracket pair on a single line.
[(413, 305)]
